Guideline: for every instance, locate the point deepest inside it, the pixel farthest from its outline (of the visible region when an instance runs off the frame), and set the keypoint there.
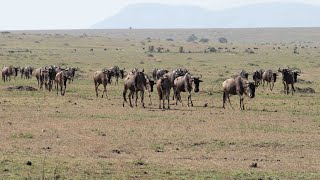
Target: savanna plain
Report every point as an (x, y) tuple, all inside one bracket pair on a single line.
[(79, 136)]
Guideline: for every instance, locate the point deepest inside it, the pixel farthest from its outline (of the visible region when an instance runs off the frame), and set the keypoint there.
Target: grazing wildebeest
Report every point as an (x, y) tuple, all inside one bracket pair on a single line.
[(7, 72), (270, 77), (289, 76), (257, 77), (135, 82), (102, 77), (237, 86), (61, 79), (117, 72), (244, 74), (184, 84), (71, 73), (163, 88)]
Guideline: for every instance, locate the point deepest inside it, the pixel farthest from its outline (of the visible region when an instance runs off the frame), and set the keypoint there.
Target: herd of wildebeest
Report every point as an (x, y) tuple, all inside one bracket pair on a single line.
[(180, 80)]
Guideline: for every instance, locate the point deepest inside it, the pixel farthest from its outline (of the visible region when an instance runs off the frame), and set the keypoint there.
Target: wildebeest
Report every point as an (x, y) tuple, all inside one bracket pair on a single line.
[(38, 77), (237, 86), (117, 72), (154, 73), (52, 74), (163, 88), (22, 72), (172, 75), (257, 77), (61, 80), (158, 73), (184, 84), (289, 76), (102, 77), (15, 71), (42, 76), (244, 74), (28, 72), (270, 77), (7, 72), (135, 82), (71, 73)]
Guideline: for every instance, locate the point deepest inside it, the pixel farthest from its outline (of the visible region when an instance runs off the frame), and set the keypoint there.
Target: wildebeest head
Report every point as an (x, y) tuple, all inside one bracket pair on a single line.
[(274, 76), (295, 76), (121, 72), (108, 74), (244, 74), (196, 81), (151, 83), (16, 70), (251, 89)]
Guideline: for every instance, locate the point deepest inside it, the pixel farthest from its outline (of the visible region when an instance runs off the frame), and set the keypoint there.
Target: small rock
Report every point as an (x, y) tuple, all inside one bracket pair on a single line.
[(29, 163), (43, 130), (116, 151), (254, 165), (205, 105)]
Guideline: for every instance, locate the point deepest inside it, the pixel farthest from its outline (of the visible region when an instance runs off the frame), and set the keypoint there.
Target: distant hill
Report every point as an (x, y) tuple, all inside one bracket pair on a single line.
[(258, 15)]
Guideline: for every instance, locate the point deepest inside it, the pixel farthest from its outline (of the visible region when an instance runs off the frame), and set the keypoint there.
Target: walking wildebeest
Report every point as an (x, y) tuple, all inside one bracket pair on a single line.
[(257, 77), (15, 71), (61, 79), (28, 72), (135, 82), (154, 74), (71, 73), (117, 72), (289, 76), (237, 86), (52, 75), (244, 74), (184, 84), (173, 75), (270, 77), (102, 77), (163, 88), (7, 72), (42, 76)]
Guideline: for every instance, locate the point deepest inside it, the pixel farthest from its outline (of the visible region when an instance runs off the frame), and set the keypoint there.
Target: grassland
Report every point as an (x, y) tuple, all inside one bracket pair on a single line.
[(79, 136)]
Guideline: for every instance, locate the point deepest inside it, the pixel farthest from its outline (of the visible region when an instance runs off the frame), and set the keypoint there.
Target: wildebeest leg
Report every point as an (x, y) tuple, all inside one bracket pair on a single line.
[(136, 98), (142, 99), (124, 92), (105, 90), (96, 85), (130, 97), (116, 80), (263, 84), (168, 98), (272, 86), (241, 103), (57, 88), (287, 89), (61, 89), (189, 98), (292, 89)]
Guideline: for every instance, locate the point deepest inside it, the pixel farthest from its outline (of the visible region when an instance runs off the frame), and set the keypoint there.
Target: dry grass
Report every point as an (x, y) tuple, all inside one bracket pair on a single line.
[(81, 137)]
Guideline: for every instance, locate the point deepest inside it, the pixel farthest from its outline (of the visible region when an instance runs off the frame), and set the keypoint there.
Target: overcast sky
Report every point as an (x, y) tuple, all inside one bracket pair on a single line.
[(81, 14)]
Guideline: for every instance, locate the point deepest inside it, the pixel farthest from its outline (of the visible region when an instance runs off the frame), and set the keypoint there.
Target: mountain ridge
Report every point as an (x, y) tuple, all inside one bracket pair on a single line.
[(152, 15)]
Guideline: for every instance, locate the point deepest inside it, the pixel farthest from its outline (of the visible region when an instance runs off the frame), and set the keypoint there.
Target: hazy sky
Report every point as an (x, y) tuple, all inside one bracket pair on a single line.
[(81, 14)]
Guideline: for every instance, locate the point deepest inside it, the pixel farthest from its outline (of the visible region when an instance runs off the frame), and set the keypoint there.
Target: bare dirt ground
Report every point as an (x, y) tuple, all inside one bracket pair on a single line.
[(79, 136)]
